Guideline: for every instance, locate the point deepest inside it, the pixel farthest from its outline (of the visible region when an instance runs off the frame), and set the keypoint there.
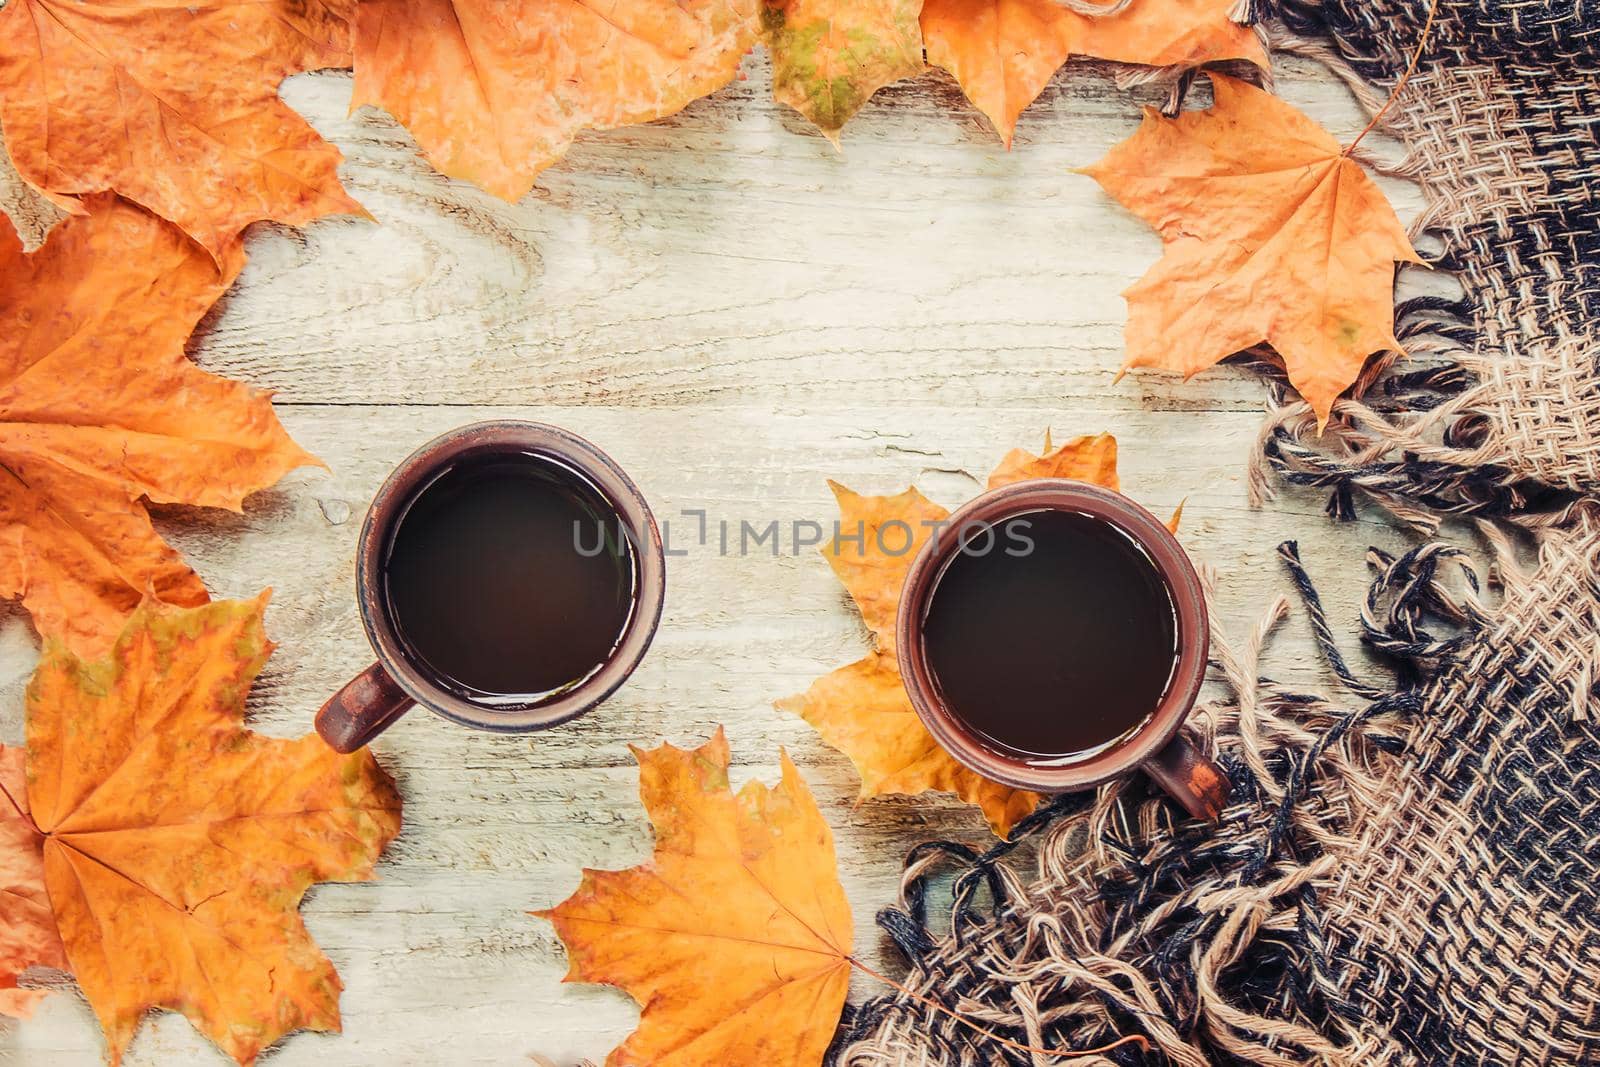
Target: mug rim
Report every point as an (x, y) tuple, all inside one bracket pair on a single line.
[(1176, 570), (407, 481)]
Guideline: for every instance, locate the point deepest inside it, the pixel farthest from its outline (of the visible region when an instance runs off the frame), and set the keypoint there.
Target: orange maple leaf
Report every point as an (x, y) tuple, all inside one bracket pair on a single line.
[(176, 844), (28, 934), (830, 56), (863, 710), (1004, 52), (99, 407), (735, 938), (174, 105), (1272, 235), (496, 90)]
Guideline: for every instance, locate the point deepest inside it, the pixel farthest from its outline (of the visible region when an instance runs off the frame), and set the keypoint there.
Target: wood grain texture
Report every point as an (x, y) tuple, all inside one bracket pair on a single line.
[(737, 313)]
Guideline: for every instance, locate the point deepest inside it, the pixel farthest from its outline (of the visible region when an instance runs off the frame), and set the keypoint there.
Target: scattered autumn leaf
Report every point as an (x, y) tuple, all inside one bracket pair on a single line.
[(496, 91), (863, 710), (830, 56), (1084, 459), (1096, 462), (27, 929), (174, 106), (1001, 52), (1171, 33), (177, 844), (735, 938), (1272, 235), (99, 407), (1004, 52)]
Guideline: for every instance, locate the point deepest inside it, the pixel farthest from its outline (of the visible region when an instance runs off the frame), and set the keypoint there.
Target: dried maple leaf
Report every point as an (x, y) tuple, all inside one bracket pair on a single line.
[(1167, 33), (735, 938), (830, 56), (495, 91), (1085, 459), (174, 105), (863, 710), (1272, 234), (99, 407), (27, 929), (176, 844), (1004, 52)]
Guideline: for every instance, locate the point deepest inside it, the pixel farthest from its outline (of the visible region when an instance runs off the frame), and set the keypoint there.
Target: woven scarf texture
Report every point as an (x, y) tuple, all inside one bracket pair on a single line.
[(1406, 873)]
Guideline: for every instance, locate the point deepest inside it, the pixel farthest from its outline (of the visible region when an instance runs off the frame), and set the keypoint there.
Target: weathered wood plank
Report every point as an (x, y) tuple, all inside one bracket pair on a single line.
[(737, 314)]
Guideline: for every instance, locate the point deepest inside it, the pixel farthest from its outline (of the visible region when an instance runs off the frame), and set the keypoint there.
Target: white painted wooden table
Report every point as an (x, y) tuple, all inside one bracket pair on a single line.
[(737, 313)]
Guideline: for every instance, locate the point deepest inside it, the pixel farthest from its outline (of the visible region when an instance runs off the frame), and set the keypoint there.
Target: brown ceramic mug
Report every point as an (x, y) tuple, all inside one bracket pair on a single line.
[(381, 694), (1156, 745)]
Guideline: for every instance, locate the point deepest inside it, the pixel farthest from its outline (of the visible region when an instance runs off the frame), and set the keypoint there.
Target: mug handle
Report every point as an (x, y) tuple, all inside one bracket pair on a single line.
[(1192, 779), (368, 704)]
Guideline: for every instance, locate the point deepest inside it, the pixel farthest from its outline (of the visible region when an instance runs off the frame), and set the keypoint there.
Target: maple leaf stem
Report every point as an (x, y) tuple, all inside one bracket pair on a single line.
[(26, 817), (1416, 55), (1144, 1042)]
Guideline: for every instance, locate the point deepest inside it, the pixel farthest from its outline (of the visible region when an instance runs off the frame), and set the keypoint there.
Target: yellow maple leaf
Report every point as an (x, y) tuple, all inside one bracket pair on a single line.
[(735, 937), (176, 844), (1084, 459), (863, 710), (1272, 235)]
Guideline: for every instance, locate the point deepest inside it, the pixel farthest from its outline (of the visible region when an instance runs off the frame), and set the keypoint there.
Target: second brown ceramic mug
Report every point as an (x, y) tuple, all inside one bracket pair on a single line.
[(381, 694), (1157, 745)]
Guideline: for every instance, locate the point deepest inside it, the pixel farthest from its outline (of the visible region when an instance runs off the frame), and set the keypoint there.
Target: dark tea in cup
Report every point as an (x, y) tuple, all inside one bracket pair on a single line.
[(1052, 635), (508, 579)]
